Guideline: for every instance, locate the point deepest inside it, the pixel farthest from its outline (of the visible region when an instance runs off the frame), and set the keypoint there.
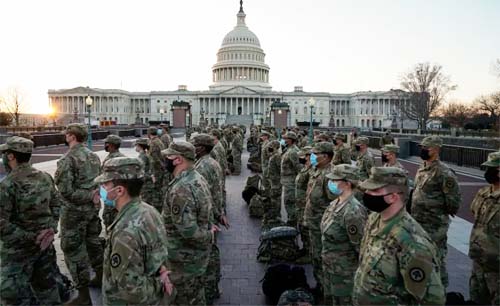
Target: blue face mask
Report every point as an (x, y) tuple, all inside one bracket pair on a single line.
[(282, 142), (334, 188), (159, 132), (313, 159), (104, 197)]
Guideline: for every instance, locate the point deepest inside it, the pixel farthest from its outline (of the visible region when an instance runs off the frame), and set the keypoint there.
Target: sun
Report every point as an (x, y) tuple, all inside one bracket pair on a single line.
[(41, 109)]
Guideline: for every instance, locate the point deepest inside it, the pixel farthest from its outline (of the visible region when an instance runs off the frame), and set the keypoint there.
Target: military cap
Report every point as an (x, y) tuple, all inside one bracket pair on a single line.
[(217, 133), (264, 133), (493, 160), (295, 297), (153, 130), (203, 140), (113, 139), (26, 135), (305, 151), (391, 148), (344, 172), (121, 168), (432, 141), (341, 136), (236, 129), (163, 125), (290, 135), (77, 129), (323, 147), (17, 144), (275, 144), (182, 148), (142, 141), (384, 176), (362, 140)]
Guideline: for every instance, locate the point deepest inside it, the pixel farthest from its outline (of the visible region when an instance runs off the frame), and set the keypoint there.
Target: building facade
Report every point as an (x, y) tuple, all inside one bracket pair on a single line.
[(240, 93)]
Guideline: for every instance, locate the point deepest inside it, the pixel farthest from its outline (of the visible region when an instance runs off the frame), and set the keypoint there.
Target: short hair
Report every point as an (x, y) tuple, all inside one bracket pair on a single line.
[(21, 158), (143, 146), (132, 186), (79, 137)]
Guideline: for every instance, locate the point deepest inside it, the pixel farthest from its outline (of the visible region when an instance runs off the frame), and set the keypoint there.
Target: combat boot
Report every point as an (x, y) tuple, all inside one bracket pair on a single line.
[(96, 282), (83, 298)]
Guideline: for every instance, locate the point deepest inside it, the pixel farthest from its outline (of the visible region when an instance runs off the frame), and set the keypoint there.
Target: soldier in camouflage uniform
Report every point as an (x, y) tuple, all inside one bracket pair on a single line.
[(364, 160), (236, 149), (387, 139), (135, 260), (485, 239), (186, 213), (147, 190), (398, 264), (300, 196), (354, 138), (436, 197), (390, 156), (219, 153), (158, 175), (272, 209), (290, 167), (317, 200), (112, 145), (342, 154), (165, 136), (264, 159), (29, 214), (342, 229), (80, 222)]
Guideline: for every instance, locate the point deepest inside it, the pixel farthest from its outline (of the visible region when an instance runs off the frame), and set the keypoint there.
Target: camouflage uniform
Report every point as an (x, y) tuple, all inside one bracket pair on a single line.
[(296, 297), (136, 247), (165, 137), (342, 229), (398, 264), (29, 203), (236, 149), (364, 161), (186, 214), (264, 158), (290, 167), (219, 154), (272, 209), (300, 197), (485, 242), (157, 170), (394, 149), (147, 189), (386, 139), (80, 223), (436, 196), (342, 154), (109, 213)]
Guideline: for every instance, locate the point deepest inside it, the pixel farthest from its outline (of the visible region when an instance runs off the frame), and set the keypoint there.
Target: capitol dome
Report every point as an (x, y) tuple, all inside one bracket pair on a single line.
[(240, 59)]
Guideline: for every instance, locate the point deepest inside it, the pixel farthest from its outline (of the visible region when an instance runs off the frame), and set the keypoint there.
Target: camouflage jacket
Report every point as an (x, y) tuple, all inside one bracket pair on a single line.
[(75, 175), (385, 140), (397, 164), (186, 213), (29, 203), (157, 167), (290, 165), (274, 171), (364, 162), (318, 197), (219, 154), (112, 155), (237, 143), (166, 139), (485, 236), (301, 181), (342, 155), (212, 172), (264, 157), (342, 228), (135, 251), (397, 264), (435, 197)]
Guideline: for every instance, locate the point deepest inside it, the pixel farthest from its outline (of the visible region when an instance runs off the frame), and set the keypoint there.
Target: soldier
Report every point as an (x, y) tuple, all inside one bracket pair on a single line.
[(165, 136), (354, 138), (272, 209), (300, 195), (317, 200), (219, 154), (135, 259), (341, 151), (29, 215), (158, 174), (341, 232), (186, 214), (398, 264), (436, 197), (484, 240), (322, 138), (387, 139), (264, 160), (236, 149), (80, 223), (390, 156), (147, 190), (365, 160), (290, 167), (112, 145)]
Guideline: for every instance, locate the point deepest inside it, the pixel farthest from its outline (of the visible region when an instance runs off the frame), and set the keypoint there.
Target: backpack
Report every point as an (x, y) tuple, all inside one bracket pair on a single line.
[(298, 296), (256, 206), (252, 186), (279, 243), (282, 277)]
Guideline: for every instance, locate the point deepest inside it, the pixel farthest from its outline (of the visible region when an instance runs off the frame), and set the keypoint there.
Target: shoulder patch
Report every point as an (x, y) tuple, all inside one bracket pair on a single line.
[(417, 275), (115, 260), (176, 209), (353, 229)]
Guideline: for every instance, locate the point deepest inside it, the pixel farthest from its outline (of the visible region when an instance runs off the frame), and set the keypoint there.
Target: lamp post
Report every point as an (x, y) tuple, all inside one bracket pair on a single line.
[(89, 102), (311, 103), (188, 117), (162, 111)]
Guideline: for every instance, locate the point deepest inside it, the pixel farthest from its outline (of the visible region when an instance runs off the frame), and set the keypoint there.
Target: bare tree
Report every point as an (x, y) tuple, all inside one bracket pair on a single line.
[(490, 104), (456, 114), (12, 103), (427, 87), (495, 68)]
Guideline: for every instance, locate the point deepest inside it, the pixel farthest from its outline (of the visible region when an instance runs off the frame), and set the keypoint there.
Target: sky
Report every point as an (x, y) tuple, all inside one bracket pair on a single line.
[(322, 45)]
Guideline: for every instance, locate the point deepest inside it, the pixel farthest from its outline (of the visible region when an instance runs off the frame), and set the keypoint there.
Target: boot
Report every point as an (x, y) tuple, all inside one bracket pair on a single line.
[(83, 298), (96, 282)]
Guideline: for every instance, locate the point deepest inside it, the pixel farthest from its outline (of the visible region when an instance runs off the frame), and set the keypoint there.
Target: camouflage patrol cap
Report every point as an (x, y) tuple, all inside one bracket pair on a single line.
[(182, 148), (142, 141), (274, 144), (296, 297), (203, 140), (290, 135), (113, 139), (17, 144), (264, 133), (121, 168), (323, 147), (216, 132), (493, 160), (341, 136), (391, 148), (384, 176), (305, 151), (77, 129), (236, 129), (432, 141), (362, 140), (153, 130), (344, 172), (27, 136)]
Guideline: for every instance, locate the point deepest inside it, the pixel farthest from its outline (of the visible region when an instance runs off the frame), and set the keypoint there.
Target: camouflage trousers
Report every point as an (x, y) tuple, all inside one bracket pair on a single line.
[(303, 230), (316, 248), (190, 291), (108, 215), (213, 275), (81, 244), (157, 195), (147, 191), (289, 200), (484, 287), (236, 161), (338, 282), (29, 279), (272, 210)]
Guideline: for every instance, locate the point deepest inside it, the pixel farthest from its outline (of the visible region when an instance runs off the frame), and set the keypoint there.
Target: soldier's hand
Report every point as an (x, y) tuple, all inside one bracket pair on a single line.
[(96, 198), (223, 220), (153, 179), (45, 238), (168, 287)]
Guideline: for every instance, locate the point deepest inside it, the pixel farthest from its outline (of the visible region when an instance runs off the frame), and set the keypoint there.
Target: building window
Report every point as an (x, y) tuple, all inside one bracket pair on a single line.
[(343, 122)]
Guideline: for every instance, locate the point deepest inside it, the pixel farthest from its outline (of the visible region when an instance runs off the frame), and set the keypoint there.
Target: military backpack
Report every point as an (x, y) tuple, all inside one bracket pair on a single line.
[(282, 277), (280, 244)]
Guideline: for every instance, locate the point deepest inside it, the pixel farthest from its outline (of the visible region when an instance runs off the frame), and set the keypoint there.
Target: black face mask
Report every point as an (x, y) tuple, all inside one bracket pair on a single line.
[(358, 148), (375, 203), (491, 175), (270, 150), (384, 159), (334, 142), (302, 161), (106, 147), (424, 154), (355, 135), (169, 165)]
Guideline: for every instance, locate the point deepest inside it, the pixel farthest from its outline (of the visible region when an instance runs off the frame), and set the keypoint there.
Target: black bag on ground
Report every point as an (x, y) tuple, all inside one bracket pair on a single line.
[(281, 277), (279, 243), (251, 187)]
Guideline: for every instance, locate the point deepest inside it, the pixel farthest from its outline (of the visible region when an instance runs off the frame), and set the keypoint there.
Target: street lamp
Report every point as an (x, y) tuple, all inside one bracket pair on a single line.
[(311, 103), (89, 102), (188, 119), (162, 111)]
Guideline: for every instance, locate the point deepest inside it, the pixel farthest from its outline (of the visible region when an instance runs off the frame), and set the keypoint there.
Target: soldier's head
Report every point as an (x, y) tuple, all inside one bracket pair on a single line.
[(141, 145), (390, 153), (322, 154), (203, 144), (385, 190), (340, 139), (75, 133), (179, 156), (273, 146), (290, 138), (430, 148), (15, 151), (112, 143), (343, 179), (121, 179), (362, 144), (322, 138), (152, 132), (492, 165), (316, 132), (304, 155), (264, 135), (164, 128)]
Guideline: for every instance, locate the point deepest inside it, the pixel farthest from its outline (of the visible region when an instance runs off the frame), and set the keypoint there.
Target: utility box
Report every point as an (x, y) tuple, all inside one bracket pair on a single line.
[(404, 147)]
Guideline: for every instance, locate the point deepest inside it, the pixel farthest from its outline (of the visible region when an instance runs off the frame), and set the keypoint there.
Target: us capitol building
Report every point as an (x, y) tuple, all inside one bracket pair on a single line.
[(240, 93)]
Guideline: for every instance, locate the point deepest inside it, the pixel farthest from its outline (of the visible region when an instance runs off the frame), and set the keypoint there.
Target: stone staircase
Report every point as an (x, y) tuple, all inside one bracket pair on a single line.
[(246, 120)]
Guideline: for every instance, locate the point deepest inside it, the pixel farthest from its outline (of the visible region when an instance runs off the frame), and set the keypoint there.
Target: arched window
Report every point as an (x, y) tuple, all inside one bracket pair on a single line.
[(362, 123), (343, 122)]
